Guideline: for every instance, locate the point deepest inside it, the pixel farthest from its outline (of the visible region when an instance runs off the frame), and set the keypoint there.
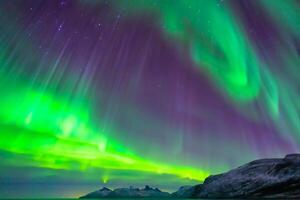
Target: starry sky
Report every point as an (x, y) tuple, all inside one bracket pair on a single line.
[(132, 92)]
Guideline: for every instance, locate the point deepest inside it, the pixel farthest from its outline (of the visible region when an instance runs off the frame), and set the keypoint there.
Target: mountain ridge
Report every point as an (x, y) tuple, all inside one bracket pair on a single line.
[(263, 178)]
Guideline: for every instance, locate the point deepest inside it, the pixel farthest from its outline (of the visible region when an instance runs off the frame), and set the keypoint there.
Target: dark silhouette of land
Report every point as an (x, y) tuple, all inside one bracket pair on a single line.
[(265, 178)]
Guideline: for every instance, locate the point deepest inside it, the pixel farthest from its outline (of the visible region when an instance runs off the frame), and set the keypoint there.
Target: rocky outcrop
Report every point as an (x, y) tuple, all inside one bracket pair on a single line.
[(130, 192), (265, 178)]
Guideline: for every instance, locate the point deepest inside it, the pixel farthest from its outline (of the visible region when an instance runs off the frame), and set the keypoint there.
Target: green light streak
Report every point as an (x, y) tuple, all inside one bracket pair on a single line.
[(59, 137), (215, 39)]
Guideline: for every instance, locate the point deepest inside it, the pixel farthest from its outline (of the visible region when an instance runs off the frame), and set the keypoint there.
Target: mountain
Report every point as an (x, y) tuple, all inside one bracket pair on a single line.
[(146, 192), (265, 178), (103, 192), (184, 192)]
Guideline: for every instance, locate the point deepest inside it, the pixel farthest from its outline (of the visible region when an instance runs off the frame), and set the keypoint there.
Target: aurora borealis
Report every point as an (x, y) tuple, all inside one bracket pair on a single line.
[(134, 92)]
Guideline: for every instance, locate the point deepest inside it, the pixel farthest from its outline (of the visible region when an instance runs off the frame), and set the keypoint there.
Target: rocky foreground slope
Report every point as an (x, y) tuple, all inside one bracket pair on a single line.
[(265, 178)]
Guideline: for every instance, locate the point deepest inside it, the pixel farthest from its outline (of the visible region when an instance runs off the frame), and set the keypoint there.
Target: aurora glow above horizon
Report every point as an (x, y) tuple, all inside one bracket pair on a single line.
[(136, 92)]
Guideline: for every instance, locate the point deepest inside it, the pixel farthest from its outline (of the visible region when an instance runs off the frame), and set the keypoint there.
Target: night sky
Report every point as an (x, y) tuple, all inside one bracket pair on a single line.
[(132, 92)]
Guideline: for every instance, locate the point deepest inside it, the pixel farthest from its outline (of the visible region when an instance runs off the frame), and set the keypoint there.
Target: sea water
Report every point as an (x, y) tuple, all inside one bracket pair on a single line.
[(106, 199)]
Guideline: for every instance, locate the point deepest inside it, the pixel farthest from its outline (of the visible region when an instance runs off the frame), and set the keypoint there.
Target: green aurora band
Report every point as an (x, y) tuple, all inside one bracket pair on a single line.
[(220, 46), (56, 132)]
